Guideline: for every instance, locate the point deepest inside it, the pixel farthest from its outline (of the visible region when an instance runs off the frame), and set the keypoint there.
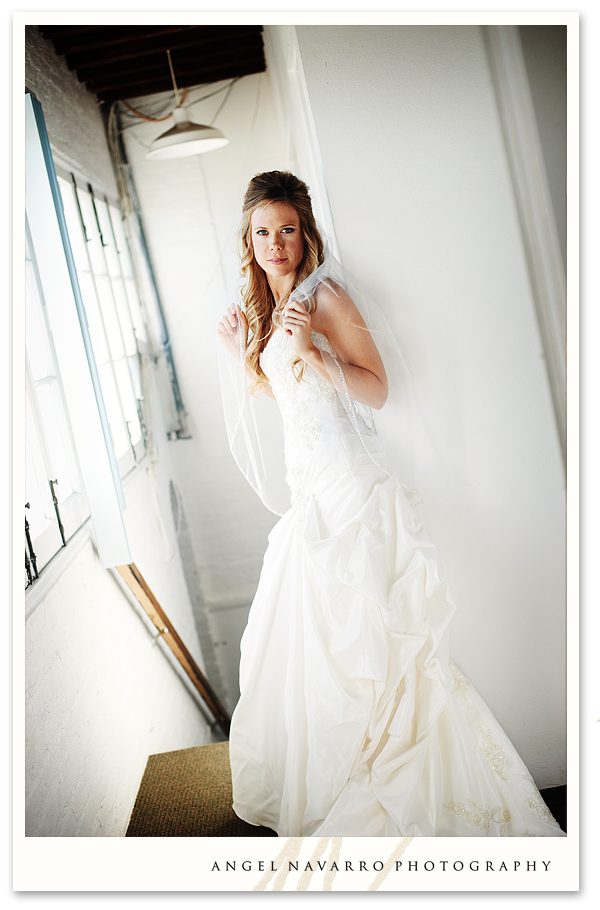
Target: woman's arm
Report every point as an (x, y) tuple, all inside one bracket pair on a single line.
[(228, 333), (338, 318)]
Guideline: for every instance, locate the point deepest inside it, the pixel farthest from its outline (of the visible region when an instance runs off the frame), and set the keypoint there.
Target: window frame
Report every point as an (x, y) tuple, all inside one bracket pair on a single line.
[(55, 523), (74, 352)]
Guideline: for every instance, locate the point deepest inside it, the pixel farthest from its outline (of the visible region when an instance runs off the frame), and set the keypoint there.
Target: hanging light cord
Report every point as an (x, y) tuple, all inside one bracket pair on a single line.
[(179, 103)]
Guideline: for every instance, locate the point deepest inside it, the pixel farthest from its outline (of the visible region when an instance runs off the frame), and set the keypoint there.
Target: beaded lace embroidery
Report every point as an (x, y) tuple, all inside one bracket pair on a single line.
[(482, 817), (543, 812), (296, 401), (461, 683), (493, 754)]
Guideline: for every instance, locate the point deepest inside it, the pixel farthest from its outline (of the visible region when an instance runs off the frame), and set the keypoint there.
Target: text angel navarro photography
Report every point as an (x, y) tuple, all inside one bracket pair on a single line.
[(415, 865)]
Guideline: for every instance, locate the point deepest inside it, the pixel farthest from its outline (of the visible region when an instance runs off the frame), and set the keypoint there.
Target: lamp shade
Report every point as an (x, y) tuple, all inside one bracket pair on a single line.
[(186, 138)]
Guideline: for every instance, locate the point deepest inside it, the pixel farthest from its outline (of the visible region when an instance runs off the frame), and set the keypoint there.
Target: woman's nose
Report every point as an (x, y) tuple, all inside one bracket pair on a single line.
[(275, 243)]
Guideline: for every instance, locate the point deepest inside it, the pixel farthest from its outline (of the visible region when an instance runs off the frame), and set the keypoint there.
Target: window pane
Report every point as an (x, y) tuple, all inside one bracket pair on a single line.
[(128, 400), (124, 317), (122, 248), (134, 369), (74, 228), (35, 329), (38, 522), (92, 312), (107, 236), (37, 489), (61, 466), (118, 432), (109, 313), (114, 317), (91, 229), (135, 310)]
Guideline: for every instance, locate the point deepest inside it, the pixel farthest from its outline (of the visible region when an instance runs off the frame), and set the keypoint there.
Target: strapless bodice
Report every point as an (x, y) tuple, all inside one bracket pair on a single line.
[(311, 410)]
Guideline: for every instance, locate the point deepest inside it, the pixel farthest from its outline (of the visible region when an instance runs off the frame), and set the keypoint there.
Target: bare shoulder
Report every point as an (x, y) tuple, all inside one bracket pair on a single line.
[(339, 319), (335, 308)]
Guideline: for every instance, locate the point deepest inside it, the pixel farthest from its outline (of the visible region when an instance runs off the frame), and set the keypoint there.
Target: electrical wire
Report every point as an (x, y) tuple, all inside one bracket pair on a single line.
[(222, 88), (143, 116), (129, 109), (154, 107), (144, 145), (224, 101)]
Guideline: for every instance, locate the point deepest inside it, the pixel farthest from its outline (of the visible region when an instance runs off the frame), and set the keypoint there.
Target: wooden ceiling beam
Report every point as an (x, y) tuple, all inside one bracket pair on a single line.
[(199, 75), (56, 32), (157, 63), (190, 37), (123, 62), (80, 40), (165, 85)]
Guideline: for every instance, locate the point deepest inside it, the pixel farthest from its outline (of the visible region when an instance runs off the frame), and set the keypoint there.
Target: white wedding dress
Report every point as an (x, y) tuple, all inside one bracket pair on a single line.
[(352, 721)]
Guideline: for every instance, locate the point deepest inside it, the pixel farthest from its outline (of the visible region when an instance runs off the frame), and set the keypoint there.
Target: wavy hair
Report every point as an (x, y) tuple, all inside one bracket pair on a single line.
[(261, 312)]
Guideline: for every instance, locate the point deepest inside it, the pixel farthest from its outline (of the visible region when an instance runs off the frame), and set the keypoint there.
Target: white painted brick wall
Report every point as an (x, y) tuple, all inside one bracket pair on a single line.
[(72, 114)]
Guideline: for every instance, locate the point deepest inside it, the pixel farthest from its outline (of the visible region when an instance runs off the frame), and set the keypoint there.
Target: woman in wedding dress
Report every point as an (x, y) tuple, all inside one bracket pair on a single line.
[(352, 720)]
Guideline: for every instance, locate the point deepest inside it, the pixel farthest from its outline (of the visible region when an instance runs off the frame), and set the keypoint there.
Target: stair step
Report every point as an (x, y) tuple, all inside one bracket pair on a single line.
[(188, 793)]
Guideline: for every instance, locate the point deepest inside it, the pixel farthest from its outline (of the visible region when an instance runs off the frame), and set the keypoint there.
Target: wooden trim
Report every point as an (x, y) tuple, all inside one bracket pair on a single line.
[(134, 580)]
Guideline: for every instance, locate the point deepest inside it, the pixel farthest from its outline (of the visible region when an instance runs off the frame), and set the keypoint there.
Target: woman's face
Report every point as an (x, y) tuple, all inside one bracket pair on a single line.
[(277, 239)]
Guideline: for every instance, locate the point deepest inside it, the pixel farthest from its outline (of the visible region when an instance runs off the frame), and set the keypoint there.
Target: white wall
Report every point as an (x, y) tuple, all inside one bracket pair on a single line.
[(422, 204), (191, 209), (100, 696)]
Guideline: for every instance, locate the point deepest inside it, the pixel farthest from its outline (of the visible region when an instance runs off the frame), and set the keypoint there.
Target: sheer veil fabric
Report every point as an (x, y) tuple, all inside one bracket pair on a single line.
[(352, 720)]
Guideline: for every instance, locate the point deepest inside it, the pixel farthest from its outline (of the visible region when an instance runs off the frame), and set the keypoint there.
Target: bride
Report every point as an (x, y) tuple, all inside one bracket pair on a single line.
[(352, 720)]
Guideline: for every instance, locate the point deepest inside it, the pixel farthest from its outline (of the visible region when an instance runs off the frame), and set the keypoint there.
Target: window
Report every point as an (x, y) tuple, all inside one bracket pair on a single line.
[(113, 312), (56, 504), (71, 463)]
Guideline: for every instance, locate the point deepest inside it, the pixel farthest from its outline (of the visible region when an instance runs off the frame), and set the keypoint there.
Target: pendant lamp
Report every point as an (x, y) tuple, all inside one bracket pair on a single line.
[(186, 137)]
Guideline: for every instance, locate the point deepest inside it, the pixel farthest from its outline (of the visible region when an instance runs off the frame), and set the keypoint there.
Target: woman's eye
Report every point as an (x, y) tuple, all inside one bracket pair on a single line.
[(261, 232), (287, 230)]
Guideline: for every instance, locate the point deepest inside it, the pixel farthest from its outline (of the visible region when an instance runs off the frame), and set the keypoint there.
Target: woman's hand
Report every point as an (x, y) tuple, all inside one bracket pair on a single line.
[(228, 329), (228, 333), (296, 322)]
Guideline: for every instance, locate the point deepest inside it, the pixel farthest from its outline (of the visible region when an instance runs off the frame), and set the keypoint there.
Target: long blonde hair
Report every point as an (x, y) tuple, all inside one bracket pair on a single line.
[(259, 303)]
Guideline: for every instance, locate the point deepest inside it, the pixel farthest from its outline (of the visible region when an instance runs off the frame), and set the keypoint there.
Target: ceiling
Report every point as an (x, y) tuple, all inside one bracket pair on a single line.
[(117, 62)]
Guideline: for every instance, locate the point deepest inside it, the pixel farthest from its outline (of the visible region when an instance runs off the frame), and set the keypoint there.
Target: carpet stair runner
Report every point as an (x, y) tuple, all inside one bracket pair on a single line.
[(188, 794)]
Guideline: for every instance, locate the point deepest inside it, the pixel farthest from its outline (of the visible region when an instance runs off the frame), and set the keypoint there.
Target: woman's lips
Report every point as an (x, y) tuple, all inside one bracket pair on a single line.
[(276, 261)]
